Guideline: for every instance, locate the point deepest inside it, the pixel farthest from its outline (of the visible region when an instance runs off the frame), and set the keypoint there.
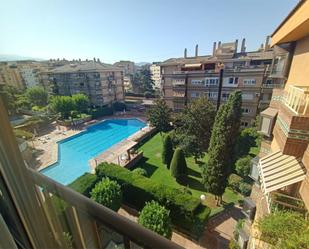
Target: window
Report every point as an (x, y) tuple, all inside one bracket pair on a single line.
[(246, 110), (195, 95), (249, 81), (197, 82), (244, 123), (211, 81), (225, 96), (81, 84), (212, 95), (231, 80)]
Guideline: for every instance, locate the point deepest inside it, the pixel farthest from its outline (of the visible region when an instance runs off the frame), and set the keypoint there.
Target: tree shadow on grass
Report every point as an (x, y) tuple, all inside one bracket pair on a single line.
[(150, 168), (194, 173), (194, 184)]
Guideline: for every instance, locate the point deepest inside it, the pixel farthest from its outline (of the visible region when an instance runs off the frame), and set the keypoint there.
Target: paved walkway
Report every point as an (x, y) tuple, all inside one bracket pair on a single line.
[(219, 230)]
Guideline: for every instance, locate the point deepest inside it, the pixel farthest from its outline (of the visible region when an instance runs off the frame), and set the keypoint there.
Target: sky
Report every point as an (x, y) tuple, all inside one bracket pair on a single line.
[(136, 30)]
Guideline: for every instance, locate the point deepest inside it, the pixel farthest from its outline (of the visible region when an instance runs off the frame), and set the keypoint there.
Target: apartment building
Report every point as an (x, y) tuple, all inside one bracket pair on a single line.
[(128, 67), (102, 83), (187, 78), (10, 75), (281, 170), (155, 71)]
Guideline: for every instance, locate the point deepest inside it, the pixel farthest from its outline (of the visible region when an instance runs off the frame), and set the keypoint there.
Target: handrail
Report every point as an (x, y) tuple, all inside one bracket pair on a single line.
[(131, 230)]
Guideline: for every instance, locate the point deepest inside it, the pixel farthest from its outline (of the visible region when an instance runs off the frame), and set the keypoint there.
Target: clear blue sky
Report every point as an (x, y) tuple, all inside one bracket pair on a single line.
[(138, 30)]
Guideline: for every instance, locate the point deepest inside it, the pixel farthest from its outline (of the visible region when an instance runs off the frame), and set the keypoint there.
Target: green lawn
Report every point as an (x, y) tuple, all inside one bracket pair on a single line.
[(152, 163)]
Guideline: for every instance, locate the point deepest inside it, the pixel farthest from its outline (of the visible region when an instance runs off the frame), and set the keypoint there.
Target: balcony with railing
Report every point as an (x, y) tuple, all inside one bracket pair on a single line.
[(178, 82), (297, 99)]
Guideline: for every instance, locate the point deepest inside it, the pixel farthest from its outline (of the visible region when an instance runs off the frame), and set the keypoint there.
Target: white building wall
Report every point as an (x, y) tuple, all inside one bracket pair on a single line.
[(156, 75)]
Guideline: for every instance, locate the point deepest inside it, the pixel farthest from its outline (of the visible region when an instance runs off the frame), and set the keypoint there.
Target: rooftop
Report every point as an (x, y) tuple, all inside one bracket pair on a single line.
[(256, 55), (85, 66)]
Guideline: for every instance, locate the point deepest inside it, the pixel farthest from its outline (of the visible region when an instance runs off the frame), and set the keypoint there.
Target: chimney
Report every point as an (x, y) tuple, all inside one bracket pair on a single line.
[(185, 53), (243, 46), (219, 44), (236, 46), (262, 47), (267, 43), (93, 59), (98, 60), (214, 49), (196, 50)]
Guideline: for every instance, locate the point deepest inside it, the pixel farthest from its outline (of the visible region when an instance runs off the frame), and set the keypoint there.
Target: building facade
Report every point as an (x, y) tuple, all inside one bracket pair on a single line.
[(102, 83), (155, 71), (10, 75), (281, 170), (187, 78), (128, 67)]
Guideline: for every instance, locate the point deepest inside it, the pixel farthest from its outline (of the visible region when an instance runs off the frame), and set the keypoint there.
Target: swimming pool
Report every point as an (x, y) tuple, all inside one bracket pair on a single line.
[(75, 152)]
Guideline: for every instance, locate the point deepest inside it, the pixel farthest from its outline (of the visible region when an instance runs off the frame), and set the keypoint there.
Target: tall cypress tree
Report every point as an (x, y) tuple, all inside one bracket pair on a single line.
[(167, 152), (225, 130)]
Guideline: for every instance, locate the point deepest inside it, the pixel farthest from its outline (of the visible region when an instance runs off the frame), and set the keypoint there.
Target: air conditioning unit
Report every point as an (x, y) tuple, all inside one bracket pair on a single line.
[(257, 95)]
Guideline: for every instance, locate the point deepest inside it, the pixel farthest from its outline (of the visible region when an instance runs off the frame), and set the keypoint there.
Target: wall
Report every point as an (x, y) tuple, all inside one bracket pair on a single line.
[(299, 71)]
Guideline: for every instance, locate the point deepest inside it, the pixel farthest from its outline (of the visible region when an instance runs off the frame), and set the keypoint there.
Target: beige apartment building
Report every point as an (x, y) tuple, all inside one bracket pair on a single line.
[(155, 71), (102, 83), (187, 78), (10, 75), (281, 169)]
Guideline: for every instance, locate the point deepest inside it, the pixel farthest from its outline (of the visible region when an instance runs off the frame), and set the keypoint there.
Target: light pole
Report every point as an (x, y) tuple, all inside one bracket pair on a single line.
[(220, 67)]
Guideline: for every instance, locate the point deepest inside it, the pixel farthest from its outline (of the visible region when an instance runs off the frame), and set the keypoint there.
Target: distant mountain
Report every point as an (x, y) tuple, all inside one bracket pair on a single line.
[(139, 64), (15, 57)]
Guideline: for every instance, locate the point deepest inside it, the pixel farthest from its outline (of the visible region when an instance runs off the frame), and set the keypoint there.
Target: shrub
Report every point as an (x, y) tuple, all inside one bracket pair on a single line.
[(233, 244), (156, 218), (140, 171), (179, 165), (102, 111), (242, 166), (167, 152), (234, 181), (119, 106), (245, 188), (23, 134), (282, 228), (186, 211), (84, 183), (107, 193)]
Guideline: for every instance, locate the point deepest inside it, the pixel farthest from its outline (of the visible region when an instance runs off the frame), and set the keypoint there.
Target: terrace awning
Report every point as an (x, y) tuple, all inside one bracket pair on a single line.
[(278, 170), (192, 65)]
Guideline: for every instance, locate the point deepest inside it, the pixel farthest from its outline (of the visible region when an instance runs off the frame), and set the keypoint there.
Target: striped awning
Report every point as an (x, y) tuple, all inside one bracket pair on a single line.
[(278, 170)]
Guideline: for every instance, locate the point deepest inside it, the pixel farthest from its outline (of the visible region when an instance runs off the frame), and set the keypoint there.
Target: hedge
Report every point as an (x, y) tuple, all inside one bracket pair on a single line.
[(84, 183), (186, 210), (101, 111)]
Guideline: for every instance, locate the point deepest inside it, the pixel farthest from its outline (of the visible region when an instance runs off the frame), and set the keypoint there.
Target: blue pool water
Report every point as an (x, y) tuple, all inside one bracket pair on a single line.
[(75, 152)]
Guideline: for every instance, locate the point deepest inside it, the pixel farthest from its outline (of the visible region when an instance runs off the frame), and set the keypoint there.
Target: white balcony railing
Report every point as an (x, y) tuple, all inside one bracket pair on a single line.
[(178, 82), (297, 99)]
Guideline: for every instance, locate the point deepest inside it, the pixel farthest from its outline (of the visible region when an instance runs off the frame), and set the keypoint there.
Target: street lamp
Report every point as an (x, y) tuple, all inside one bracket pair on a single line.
[(219, 68)]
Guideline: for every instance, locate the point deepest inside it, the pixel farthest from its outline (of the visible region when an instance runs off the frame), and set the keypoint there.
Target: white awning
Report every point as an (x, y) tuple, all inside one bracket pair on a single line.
[(193, 65), (278, 171), (271, 112)]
